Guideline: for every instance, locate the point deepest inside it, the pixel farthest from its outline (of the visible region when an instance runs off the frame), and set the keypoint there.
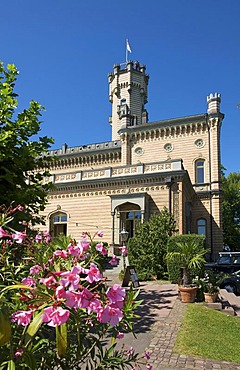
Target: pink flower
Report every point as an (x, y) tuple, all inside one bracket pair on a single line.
[(73, 299), (148, 367), (116, 294), (72, 278), (20, 208), (84, 234), (61, 253), (18, 237), (18, 353), (38, 238), (124, 250), (29, 281), (35, 269), (49, 282), (47, 236), (74, 250), (3, 233), (100, 248), (60, 292), (79, 299), (55, 317), (94, 305), (93, 274), (120, 335), (86, 297), (130, 351), (113, 261), (110, 314), (100, 234), (83, 246), (22, 317)]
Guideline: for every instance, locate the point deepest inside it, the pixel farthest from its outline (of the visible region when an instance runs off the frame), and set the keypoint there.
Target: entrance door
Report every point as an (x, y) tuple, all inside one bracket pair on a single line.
[(58, 224), (133, 218), (130, 217)]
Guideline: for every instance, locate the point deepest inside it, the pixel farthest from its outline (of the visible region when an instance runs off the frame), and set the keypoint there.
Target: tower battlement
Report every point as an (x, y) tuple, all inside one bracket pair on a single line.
[(213, 101)]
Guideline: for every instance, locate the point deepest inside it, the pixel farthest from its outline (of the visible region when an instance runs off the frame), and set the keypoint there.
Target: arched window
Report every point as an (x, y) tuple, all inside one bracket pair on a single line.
[(199, 171), (58, 223), (201, 226)]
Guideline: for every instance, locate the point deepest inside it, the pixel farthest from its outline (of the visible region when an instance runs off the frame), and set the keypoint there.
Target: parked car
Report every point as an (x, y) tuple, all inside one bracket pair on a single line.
[(227, 262), (232, 283)]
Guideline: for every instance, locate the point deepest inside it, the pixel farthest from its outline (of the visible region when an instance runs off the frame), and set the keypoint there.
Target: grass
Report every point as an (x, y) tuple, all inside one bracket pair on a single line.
[(209, 334)]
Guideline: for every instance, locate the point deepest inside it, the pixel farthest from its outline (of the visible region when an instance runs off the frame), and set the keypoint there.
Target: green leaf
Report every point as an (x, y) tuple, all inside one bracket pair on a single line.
[(61, 339), (17, 286), (33, 328), (5, 327), (30, 360), (11, 365)]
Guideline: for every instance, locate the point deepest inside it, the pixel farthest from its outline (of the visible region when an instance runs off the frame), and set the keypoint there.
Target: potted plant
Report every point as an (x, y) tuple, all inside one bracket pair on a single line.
[(189, 256), (210, 285)]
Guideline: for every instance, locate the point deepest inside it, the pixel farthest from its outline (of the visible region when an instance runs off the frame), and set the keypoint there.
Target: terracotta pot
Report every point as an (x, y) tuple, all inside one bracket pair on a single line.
[(210, 297), (188, 294)]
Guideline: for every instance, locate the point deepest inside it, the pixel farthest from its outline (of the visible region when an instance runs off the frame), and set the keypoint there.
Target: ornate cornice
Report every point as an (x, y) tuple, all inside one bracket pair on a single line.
[(149, 181), (108, 192)]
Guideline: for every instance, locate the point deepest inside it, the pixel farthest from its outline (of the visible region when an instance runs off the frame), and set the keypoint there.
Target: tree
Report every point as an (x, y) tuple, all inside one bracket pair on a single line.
[(148, 248), (23, 160), (187, 255), (231, 210)]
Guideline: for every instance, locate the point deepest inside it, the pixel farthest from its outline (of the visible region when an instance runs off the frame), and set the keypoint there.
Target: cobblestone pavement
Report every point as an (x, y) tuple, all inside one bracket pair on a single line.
[(162, 343)]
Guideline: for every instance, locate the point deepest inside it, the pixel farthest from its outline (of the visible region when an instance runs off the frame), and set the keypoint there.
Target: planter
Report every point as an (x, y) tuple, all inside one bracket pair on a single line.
[(188, 294), (210, 297)]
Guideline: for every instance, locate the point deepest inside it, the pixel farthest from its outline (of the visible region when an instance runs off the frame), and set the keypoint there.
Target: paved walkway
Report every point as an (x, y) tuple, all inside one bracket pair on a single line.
[(161, 315), (163, 340)]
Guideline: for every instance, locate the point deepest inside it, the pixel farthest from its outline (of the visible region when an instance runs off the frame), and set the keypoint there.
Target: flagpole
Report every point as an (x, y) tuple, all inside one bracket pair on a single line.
[(128, 49)]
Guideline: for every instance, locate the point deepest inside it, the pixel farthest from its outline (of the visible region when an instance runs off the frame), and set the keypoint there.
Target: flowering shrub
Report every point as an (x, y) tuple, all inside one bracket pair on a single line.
[(61, 314)]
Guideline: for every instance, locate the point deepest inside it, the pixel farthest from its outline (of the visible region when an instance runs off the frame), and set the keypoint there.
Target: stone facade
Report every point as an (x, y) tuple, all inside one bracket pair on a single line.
[(147, 166)]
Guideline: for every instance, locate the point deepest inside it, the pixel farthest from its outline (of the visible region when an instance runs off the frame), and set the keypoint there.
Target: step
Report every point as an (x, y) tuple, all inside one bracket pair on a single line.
[(232, 299)]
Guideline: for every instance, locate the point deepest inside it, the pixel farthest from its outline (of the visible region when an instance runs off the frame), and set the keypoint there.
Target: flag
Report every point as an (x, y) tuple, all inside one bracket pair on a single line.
[(128, 46)]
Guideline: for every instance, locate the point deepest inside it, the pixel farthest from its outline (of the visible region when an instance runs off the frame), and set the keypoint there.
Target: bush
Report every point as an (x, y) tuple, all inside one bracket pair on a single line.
[(147, 249), (58, 313)]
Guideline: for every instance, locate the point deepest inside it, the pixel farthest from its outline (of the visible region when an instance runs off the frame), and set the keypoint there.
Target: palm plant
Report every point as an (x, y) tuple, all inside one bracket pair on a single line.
[(188, 256)]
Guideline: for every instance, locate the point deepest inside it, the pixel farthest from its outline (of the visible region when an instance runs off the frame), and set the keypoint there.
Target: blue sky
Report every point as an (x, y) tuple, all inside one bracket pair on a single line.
[(65, 49)]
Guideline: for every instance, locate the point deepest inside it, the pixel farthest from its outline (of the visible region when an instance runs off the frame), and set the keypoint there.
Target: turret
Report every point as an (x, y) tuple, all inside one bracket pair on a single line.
[(214, 101), (128, 95)]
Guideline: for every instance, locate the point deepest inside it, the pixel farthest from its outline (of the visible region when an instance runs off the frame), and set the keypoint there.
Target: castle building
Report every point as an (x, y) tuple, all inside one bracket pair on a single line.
[(146, 166)]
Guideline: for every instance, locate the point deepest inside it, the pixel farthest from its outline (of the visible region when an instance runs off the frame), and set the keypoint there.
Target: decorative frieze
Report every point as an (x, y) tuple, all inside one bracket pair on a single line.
[(108, 192), (118, 171)]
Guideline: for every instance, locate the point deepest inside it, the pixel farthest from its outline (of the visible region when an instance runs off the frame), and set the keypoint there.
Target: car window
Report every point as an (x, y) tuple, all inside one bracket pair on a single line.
[(224, 260), (236, 260)]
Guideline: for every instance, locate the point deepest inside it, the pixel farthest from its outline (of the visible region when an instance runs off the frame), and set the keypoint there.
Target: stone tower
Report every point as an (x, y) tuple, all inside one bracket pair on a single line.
[(128, 95), (215, 118)]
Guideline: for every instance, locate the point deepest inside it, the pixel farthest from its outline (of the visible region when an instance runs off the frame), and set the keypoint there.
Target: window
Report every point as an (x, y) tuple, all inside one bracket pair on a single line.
[(201, 226), (224, 260), (199, 171), (133, 218), (59, 224)]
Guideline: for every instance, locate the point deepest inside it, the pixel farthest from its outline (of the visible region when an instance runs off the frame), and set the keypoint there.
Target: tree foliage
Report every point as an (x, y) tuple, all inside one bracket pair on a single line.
[(148, 248), (21, 153), (185, 252), (231, 210)]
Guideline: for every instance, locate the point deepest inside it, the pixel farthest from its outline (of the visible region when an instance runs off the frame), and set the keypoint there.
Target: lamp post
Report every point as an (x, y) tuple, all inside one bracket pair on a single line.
[(124, 237)]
